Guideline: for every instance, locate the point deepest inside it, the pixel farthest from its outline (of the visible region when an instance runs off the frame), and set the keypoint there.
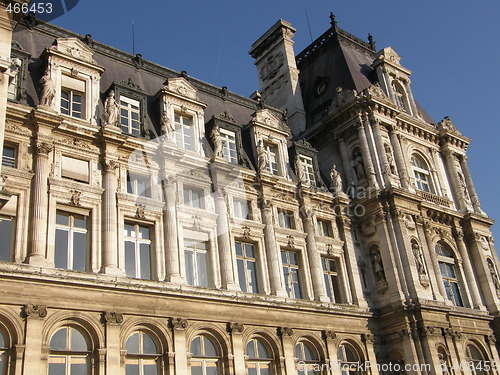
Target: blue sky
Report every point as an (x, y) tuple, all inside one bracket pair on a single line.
[(450, 46)]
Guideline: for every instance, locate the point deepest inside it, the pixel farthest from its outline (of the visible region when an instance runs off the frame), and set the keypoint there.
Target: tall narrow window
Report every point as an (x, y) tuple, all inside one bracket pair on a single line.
[(196, 260), (308, 359), (138, 252), (241, 209), (400, 96), (143, 356), (307, 164), (72, 241), (285, 219), (7, 236), (291, 272), (324, 228), (13, 90), (71, 103), (130, 114), (69, 352), (447, 266), (478, 364), (333, 280), (421, 174), (272, 159), (138, 185), (245, 258), (193, 197), (260, 361), (4, 354), (184, 132), (9, 156), (229, 146), (205, 358), (349, 360)]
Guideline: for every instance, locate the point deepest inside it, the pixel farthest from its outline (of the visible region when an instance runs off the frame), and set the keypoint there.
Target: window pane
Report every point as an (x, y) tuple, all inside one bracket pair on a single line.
[(262, 351), (144, 232), (188, 255), (80, 251), (149, 346), (61, 250), (196, 368), (9, 156), (130, 259), (253, 276), (2, 342), (132, 369), (251, 349), (241, 275), (132, 344), (210, 350), (78, 342), (293, 258), (150, 370), (79, 369), (57, 369), (145, 261), (196, 347), (6, 238), (62, 218), (249, 250), (239, 250), (202, 269), (58, 340)]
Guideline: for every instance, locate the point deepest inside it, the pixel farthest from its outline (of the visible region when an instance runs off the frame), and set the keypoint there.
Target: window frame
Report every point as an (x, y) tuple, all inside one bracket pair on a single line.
[(71, 102), (68, 353), (5, 351), (250, 285), (477, 366), (446, 265), (344, 363), (309, 172), (336, 293), (133, 179), (228, 138), (293, 286), (137, 242), (12, 220), (131, 91), (203, 358), (308, 365), (141, 357), (189, 190), (422, 174), (321, 225), (238, 207), (285, 218), (195, 270), (401, 96), (130, 106), (183, 131), (71, 230), (256, 360), (272, 158), (12, 159)]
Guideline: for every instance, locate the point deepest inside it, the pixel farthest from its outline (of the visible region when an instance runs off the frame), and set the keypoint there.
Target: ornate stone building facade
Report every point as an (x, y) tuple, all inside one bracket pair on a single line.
[(154, 224)]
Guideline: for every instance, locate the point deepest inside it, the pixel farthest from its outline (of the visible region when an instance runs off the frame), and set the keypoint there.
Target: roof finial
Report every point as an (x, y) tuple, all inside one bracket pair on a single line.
[(372, 42), (333, 22)]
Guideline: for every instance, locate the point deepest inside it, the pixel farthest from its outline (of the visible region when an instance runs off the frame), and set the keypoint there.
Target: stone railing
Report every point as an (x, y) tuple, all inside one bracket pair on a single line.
[(436, 199)]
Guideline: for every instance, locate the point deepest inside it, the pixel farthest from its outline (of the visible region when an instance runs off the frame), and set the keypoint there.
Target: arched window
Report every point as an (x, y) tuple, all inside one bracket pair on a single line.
[(400, 96), (4, 353), (397, 362), (260, 359), (422, 174), (444, 360), (69, 352), (449, 274), (478, 363), (143, 356), (206, 359), (308, 359), (349, 360)]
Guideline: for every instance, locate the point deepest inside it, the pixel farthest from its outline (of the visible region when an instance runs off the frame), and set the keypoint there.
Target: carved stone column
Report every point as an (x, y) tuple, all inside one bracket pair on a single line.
[(409, 95), (39, 199), (365, 149), (469, 273), (224, 244), (398, 155), (238, 346), (331, 348), (109, 220), (179, 326), (314, 257), (435, 263), (114, 355), (344, 157), (273, 253), (288, 349), (470, 185), (458, 193), (33, 316), (369, 342), (379, 143), (170, 233)]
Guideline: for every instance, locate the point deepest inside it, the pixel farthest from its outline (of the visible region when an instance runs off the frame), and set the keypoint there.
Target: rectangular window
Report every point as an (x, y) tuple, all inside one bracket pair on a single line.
[(291, 269), (272, 159), (307, 164), (12, 92), (196, 260), (71, 103), (246, 262), (285, 219), (72, 241), (138, 185), (6, 235), (241, 209), (184, 132), (193, 197), (324, 228), (332, 280), (138, 251), (75, 169), (229, 146), (129, 116), (9, 156)]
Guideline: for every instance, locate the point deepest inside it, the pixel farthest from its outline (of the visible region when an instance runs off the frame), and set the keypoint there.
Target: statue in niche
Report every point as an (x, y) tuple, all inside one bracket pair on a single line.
[(336, 179), (359, 165), (463, 186), (166, 125), (111, 109), (417, 254), (48, 90), (390, 160), (494, 275), (217, 141), (261, 156), (299, 169), (378, 267)]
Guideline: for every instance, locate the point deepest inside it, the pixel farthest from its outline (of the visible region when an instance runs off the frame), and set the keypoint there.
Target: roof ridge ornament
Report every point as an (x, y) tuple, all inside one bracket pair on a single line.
[(333, 21), (373, 44)]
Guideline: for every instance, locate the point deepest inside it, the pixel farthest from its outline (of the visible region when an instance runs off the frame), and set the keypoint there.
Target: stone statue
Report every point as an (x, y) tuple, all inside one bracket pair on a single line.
[(261, 156), (217, 141), (418, 258), (299, 169), (378, 267), (463, 185), (48, 90), (494, 275), (390, 160), (166, 125), (359, 165), (111, 109), (336, 179)]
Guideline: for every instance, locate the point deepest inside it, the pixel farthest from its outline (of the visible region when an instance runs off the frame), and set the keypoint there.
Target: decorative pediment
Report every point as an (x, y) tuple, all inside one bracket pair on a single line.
[(182, 87), (266, 117), (74, 48), (389, 54), (447, 125), (129, 84)]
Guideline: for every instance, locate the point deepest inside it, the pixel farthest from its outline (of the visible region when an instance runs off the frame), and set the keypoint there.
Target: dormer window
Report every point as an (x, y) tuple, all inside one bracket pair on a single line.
[(307, 164), (421, 174), (130, 116), (272, 158), (72, 97), (229, 146), (184, 132), (12, 93), (400, 96)]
